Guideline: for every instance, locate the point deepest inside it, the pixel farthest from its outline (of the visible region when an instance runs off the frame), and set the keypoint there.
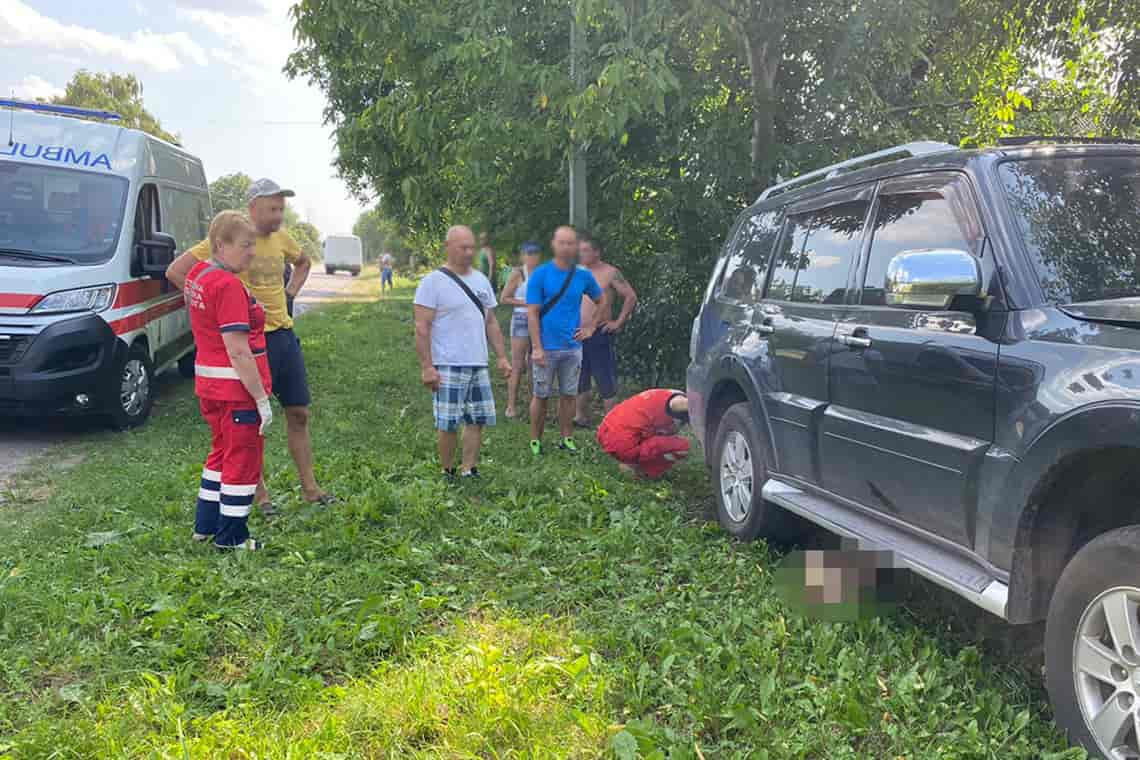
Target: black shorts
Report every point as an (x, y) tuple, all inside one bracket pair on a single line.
[(599, 363), (287, 368)]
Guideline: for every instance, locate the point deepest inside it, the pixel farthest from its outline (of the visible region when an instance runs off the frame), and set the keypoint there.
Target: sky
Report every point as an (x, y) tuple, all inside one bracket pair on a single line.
[(212, 74)]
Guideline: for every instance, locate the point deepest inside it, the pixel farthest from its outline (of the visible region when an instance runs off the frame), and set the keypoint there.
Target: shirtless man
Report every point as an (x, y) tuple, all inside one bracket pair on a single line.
[(598, 360)]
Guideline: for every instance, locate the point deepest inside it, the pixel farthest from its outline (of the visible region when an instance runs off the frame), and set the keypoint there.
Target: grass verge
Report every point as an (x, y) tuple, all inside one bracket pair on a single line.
[(553, 610)]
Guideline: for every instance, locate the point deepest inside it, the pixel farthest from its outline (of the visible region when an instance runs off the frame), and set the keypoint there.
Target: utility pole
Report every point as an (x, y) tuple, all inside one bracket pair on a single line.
[(579, 215)]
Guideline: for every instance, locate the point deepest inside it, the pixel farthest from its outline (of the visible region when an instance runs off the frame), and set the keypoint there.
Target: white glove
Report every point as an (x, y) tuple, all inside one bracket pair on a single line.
[(265, 411)]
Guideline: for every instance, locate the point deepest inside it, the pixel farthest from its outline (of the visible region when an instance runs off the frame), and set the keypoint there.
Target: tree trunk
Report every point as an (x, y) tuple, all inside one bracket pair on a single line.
[(763, 45)]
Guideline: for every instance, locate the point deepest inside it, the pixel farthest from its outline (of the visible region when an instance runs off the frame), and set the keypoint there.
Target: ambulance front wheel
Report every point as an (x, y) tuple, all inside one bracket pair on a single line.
[(132, 393)]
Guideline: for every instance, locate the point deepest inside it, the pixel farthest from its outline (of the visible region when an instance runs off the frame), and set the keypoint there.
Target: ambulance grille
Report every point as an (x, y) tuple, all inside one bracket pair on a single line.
[(12, 348)]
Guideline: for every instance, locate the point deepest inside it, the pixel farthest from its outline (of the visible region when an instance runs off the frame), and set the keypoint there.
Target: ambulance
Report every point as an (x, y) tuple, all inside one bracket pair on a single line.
[(91, 214)]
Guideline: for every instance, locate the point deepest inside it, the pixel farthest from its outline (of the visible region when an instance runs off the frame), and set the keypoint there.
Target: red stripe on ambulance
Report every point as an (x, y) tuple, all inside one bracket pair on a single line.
[(143, 318)]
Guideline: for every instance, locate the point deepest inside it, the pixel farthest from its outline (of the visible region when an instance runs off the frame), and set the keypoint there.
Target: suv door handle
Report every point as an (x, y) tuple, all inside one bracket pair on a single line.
[(855, 341)]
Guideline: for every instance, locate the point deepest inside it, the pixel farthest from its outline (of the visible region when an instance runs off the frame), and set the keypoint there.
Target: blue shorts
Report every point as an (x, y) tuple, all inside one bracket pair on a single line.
[(386, 276), (600, 364), (287, 368), (559, 376), (520, 327), (464, 396)]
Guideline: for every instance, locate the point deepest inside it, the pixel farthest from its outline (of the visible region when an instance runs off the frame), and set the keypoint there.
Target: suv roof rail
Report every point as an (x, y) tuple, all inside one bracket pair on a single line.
[(1013, 142), (908, 150), (60, 110)]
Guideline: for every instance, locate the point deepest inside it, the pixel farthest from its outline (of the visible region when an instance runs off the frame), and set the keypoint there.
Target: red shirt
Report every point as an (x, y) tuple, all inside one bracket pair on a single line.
[(218, 303), (644, 415)]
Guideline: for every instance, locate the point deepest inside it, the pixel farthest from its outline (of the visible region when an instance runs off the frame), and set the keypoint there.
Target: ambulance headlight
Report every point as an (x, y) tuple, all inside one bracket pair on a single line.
[(83, 299)]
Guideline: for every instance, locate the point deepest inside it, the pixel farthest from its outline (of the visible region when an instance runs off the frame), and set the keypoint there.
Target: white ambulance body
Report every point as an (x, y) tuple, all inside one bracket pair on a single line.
[(343, 253), (91, 214)]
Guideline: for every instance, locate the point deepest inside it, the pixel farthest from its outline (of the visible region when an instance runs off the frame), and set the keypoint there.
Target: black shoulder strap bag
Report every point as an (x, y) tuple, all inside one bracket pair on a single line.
[(459, 281), (546, 307)]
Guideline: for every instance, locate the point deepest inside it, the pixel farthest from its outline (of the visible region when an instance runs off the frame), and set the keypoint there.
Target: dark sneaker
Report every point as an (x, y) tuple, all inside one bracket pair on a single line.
[(568, 444), (449, 476), (536, 448), (248, 545), (472, 474)]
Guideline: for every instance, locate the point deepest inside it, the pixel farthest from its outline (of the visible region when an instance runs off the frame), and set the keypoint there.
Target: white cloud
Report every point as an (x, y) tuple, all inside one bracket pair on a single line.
[(36, 88), (23, 26), (239, 7)]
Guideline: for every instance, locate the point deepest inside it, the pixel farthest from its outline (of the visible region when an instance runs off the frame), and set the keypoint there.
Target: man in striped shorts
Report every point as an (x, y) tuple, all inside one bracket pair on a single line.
[(455, 317)]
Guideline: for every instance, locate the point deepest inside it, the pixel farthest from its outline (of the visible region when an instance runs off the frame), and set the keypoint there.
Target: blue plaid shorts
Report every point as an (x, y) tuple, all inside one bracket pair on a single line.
[(464, 396)]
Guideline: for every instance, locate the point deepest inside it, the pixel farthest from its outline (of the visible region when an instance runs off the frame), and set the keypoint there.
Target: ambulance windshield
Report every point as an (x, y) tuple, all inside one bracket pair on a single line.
[(59, 214)]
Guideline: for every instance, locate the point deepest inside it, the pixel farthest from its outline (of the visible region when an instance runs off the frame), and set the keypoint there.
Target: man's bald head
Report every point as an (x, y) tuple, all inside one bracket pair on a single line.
[(565, 245), (460, 245)]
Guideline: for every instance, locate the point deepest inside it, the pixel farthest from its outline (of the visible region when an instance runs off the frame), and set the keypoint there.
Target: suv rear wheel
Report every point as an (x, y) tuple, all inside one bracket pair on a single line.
[(1092, 646), (739, 472)]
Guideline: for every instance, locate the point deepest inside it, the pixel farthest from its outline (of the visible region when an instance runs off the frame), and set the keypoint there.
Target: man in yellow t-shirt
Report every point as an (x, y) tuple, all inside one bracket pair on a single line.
[(265, 280)]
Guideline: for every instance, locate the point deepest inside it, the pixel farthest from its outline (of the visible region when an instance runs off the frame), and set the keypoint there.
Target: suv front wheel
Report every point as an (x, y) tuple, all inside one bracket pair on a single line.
[(1092, 646), (739, 473)]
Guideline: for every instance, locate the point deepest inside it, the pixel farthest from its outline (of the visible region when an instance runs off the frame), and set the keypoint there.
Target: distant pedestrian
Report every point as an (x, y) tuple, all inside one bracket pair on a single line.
[(641, 432), (514, 294), (232, 382), (599, 358), (385, 272), (455, 317), (487, 262), (554, 314)]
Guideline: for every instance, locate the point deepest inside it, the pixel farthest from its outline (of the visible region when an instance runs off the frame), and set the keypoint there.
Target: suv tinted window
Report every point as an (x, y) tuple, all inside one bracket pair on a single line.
[(1080, 220), (744, 272), (916, 215), (816, 252)]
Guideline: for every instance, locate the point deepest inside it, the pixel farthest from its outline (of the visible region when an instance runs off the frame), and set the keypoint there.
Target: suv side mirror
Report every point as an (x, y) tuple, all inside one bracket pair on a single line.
[(932, 279), (156, 254)]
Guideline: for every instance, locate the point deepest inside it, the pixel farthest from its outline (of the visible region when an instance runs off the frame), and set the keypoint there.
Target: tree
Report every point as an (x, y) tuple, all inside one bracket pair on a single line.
[(378, 235), (228, 193), (121, 93), (308, 237)]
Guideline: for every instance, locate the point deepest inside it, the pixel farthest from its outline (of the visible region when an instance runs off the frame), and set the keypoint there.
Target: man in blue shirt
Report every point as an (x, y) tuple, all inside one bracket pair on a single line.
[(554, 313)]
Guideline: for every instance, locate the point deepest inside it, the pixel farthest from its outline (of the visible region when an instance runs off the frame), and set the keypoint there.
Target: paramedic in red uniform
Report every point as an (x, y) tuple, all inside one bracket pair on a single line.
[(641, 432), (232, 382)]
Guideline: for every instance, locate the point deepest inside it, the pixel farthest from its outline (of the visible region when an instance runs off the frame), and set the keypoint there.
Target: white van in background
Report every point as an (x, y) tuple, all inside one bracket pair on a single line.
[(91, 214), (343, 253)]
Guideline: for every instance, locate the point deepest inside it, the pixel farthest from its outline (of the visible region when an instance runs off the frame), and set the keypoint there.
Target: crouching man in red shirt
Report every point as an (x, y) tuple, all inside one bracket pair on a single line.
[(641, 432)]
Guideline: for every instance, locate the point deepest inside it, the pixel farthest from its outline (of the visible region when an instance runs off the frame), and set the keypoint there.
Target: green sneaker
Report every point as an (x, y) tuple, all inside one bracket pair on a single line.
[(568, 444), (536, 448)]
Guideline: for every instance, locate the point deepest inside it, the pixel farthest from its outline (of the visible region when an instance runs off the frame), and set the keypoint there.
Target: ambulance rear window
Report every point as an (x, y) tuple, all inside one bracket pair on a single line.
[(61, 213)]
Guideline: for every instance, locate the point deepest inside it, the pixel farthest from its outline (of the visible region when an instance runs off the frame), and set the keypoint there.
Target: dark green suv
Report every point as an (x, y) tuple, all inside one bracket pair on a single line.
[(936, 352)]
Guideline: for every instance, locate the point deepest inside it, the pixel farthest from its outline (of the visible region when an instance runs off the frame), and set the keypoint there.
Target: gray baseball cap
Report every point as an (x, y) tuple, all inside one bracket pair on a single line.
[(267, 188)]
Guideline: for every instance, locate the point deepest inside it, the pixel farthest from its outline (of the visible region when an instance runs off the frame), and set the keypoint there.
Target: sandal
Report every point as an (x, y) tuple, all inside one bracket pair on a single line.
[(324, 500), (267, 509)]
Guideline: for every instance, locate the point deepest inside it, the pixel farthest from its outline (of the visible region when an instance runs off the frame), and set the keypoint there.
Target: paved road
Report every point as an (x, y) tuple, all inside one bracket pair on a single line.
[(22, 441)]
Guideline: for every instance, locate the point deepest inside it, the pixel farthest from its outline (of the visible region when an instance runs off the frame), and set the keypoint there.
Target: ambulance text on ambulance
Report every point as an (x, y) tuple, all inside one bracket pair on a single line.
[(56, 154)]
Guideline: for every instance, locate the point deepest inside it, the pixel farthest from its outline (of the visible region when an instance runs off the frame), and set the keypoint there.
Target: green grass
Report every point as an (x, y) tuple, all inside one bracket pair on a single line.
[(554, 610)]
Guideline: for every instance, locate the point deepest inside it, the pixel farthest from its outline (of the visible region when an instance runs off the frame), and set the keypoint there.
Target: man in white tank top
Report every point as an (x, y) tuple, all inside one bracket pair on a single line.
[(514, 294)]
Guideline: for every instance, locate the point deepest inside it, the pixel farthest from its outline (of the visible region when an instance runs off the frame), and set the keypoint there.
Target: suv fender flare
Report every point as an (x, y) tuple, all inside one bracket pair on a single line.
[(1105, 425), (730, 371)]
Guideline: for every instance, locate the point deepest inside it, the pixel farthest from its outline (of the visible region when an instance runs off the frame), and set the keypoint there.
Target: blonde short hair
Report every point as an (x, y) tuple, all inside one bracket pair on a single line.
[(226, 226)]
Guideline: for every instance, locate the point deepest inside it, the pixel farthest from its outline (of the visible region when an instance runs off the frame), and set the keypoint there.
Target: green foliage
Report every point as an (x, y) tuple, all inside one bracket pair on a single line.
[(554, 610), (380, 234), (121, 93), (228, 193), (308, 237), (467, 113)]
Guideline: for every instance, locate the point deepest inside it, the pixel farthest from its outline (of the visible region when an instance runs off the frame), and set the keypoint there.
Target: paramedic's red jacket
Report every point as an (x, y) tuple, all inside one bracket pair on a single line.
[(219, 303), (640, 431)]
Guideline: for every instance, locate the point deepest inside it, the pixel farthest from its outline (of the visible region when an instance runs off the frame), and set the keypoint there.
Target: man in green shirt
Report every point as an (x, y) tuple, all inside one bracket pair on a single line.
[(485, 261)]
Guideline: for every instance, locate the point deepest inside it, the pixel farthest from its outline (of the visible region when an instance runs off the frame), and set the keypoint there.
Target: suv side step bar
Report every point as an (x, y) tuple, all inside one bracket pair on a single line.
[(930, 560)]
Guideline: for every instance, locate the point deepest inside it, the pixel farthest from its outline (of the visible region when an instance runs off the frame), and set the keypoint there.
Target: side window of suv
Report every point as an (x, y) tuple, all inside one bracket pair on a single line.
[(915, 214), (816, 252), (748, 261)]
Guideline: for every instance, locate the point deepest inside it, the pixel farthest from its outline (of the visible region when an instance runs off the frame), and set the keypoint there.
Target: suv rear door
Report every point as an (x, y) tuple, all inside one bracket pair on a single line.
[(912, 399), (806, 295)]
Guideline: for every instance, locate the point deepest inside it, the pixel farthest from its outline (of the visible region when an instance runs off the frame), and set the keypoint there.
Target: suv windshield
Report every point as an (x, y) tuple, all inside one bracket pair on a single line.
[(59, 213), (1080, 219)]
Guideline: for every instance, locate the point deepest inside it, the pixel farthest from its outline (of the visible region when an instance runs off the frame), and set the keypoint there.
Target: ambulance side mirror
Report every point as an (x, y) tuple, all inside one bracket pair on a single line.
[(155, 254)]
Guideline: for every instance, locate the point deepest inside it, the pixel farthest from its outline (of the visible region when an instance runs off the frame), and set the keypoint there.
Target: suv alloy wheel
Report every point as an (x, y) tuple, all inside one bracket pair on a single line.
[(739, 473), (1092, 646)]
